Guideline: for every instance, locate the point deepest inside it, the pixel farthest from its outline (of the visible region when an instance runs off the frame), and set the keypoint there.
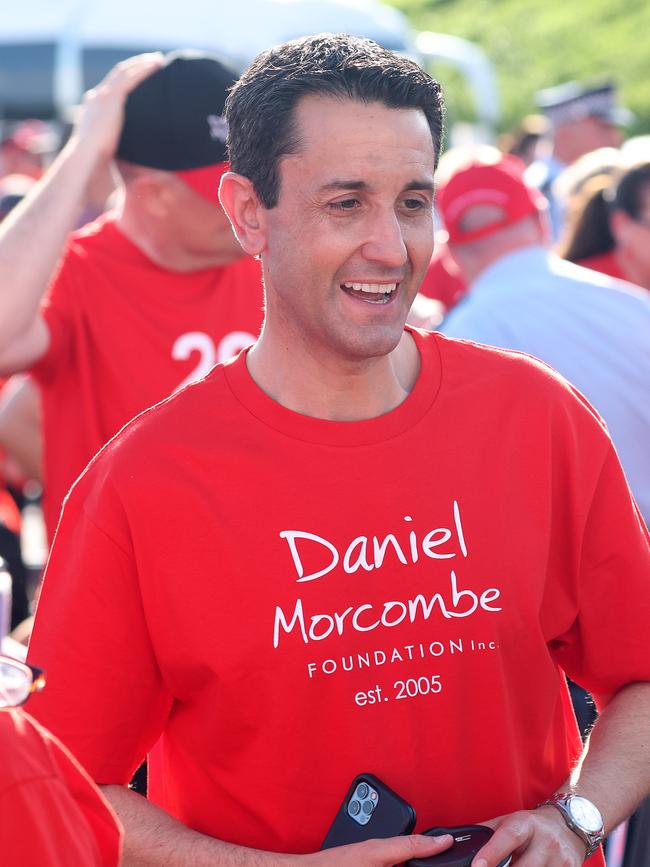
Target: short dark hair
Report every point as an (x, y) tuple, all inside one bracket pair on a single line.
[(260, 108)]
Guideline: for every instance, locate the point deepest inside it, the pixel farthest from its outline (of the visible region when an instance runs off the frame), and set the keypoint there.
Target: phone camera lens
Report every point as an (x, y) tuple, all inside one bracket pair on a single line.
[(368, 807), (362, 791), (354, 808)]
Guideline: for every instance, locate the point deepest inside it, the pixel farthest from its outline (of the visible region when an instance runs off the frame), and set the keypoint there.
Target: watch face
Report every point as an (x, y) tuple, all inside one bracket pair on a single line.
[(585, 814)]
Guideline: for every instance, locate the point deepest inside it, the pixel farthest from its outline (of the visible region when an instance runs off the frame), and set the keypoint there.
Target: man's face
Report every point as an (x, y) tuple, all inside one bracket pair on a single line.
[(603, 134), (351, 237), (634, 240), (575, 139), (199, 225)]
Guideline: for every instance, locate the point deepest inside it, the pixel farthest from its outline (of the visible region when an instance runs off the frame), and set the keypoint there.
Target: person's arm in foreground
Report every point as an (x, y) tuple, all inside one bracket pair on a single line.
[(33, 235), (152, 838), (614, 774)]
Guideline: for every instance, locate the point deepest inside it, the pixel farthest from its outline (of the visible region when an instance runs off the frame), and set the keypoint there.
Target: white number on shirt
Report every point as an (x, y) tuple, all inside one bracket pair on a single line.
[(209, 354)]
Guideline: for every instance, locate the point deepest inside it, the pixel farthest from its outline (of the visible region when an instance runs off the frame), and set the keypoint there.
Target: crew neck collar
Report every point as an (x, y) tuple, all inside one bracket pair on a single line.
[(342, 433)]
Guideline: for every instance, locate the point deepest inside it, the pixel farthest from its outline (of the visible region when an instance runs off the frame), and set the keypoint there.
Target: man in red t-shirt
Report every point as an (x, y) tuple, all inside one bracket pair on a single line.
[(150, 296), (355, 547)]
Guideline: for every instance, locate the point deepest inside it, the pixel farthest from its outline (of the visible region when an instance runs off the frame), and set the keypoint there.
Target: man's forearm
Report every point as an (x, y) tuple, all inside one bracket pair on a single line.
[(615, 770), (153, 838), (33, 235)]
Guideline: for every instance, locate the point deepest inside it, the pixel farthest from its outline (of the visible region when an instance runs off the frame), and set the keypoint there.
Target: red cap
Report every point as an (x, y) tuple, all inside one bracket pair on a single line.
[(205, 180), (500, 184)]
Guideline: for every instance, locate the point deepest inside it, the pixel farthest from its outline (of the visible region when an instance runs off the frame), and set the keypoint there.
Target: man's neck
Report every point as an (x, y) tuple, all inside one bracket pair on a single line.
[(163, 251), (325, 387)]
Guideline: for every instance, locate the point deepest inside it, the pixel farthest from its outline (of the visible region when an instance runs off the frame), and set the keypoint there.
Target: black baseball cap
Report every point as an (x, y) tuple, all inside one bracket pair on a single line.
[(174, 120)]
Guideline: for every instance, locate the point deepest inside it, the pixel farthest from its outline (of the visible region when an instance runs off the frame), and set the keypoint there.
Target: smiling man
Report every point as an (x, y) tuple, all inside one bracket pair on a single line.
[(366, 223), (355, 547)]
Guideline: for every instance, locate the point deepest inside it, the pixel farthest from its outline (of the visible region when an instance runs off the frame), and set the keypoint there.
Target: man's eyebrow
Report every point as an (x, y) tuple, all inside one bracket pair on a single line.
[(343, 185), (428, 186), (362, 185)]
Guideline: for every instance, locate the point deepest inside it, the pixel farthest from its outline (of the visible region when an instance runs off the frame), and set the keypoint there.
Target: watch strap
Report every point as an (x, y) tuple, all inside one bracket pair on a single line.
[(561, 801)]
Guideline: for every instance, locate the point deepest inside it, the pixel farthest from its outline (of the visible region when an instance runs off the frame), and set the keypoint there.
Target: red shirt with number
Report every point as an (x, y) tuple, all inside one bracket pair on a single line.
[(51, 812), (292, 601), (124, 334)]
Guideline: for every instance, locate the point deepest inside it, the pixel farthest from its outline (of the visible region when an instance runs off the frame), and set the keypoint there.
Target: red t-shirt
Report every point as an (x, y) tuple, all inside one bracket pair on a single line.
[(51, 813), (124, 334), (293, 601), (605, 263)]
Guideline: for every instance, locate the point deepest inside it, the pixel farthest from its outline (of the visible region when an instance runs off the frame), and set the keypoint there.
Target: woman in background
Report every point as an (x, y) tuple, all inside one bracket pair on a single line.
[(608, 226)]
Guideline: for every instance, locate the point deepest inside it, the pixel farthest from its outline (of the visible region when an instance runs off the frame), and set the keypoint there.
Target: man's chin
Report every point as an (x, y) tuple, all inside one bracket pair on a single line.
[(374, 341)]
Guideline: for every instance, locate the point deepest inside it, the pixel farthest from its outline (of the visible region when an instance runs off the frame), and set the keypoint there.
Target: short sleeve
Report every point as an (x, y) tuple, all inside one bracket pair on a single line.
[(608, 644), (105, 697)]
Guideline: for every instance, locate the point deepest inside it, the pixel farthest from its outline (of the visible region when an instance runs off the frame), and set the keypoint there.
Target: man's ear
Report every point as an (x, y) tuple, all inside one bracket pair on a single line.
[(245, 212)]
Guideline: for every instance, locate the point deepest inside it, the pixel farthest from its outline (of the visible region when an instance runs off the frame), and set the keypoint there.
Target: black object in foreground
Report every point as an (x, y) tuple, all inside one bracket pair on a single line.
[(370, 810), (468, 839)]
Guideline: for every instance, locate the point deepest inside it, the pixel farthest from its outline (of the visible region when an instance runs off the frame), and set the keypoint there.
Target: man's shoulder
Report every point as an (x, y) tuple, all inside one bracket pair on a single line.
[(476, 356), (95, 235), (536, 293), (520, 375), (25, 744), (609, 286), (514, 394), (186, 419)]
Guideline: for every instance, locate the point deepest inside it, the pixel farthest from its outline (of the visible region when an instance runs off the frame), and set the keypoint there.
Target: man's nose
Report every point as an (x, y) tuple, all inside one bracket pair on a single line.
[(385, 241)]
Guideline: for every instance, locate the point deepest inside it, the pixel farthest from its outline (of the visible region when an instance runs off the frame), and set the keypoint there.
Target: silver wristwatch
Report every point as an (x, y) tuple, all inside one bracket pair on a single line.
[(581, 816)]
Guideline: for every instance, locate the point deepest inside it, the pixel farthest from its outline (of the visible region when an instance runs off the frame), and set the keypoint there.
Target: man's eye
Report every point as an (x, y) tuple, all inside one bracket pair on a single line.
[(345, 205), (415, 204)]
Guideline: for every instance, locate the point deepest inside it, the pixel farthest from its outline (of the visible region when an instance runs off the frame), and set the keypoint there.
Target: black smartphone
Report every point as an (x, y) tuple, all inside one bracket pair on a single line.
[(468, 839), (370, 810)]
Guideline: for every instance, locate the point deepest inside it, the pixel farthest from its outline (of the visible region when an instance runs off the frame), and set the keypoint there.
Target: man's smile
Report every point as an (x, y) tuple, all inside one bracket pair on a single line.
[(372, 293)]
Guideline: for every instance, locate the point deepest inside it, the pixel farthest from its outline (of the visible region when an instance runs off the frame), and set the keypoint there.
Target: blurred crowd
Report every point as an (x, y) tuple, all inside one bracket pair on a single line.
[(122, 282)]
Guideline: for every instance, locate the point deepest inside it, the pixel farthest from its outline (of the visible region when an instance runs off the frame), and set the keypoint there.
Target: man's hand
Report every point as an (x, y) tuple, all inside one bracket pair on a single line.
[(378, 853), (537, 838), (101, 116)]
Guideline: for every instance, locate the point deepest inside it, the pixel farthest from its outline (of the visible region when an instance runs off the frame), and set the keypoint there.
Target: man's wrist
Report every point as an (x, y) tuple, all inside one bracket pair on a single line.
[(581, 816)]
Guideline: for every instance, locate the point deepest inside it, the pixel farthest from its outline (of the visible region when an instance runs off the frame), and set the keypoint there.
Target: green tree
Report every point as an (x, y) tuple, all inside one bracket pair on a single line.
[(539, 43)]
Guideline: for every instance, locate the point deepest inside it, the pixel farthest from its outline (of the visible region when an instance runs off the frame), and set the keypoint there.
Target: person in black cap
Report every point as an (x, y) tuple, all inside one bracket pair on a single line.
[(151, 295), (583, 118)]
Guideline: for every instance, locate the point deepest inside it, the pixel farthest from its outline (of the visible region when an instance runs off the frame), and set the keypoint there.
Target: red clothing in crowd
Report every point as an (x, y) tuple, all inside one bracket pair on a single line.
[(443, 280), (9, 512), (124, 334), (606, 263), (51, 813), (292, 601)]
